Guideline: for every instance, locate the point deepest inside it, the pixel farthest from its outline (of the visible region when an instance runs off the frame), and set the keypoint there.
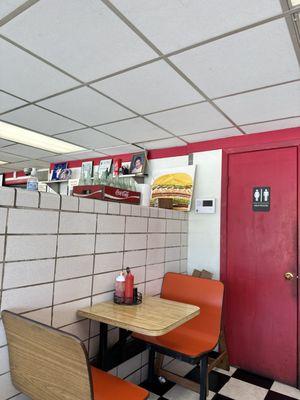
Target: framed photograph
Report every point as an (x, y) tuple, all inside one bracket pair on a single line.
[(87, 168), (138, 163), (57, 170), (104, 165)]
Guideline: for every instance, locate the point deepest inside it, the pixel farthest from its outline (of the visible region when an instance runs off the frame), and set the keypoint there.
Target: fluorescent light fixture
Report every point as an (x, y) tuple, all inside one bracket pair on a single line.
[(295, 2), (33, 139), (3, 162)]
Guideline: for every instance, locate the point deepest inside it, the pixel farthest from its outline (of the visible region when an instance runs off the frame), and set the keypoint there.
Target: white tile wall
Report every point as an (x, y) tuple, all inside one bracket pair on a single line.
[(77, 223), (23, 273), (111, 224), (51, 271), (21, 221), (72, 267), (4, 361)]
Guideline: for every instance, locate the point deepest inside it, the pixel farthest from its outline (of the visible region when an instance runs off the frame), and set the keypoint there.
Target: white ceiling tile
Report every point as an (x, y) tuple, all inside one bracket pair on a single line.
[(134, 130), (95, 41), (8, 102), (174, 24), (4, 143), (190, 119), (211, 135), (59, 158), (263, 105), (10, 157), (26, 151), (28, 164), (272, 125), (40, 120), (153, 87), (25, 76), (82, 155), (250, 59), (162, 144), (87, 106), (8, 6), (89, 138), (121, 150)]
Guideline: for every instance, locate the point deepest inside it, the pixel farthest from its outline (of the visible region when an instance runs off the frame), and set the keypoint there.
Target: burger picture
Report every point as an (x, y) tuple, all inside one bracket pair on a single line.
[(178, 186)]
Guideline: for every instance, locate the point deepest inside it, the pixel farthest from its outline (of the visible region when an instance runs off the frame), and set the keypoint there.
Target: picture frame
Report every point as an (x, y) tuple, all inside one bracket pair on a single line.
[(138, 163), (57, 170), (104, 165)]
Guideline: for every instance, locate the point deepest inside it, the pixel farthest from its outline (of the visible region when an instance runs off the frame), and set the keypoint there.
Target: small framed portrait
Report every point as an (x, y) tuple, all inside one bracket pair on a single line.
[(138, 163)]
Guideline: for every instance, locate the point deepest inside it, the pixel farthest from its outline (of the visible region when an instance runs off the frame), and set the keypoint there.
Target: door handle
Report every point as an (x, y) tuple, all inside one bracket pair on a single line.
[(289, 276)]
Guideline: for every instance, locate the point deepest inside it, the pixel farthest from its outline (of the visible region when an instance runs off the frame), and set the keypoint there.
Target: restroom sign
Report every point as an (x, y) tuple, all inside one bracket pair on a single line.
[(261, 198)]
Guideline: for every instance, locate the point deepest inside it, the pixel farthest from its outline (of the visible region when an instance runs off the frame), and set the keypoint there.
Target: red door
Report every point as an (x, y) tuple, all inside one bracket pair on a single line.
[(261, 304)]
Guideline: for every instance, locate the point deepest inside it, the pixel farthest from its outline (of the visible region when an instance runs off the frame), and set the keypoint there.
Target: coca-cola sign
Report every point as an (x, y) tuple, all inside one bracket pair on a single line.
[(122, 193)]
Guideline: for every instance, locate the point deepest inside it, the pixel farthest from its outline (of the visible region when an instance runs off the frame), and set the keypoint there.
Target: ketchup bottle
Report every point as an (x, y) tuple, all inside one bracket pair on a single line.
[(129, 282)]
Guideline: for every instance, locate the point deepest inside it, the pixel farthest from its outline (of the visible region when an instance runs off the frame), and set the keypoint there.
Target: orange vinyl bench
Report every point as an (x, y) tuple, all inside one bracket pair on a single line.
[(192, 341), (48, 364)]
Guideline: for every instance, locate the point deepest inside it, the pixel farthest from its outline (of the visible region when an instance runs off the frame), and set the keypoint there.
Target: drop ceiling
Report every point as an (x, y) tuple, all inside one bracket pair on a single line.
[(120, 75)]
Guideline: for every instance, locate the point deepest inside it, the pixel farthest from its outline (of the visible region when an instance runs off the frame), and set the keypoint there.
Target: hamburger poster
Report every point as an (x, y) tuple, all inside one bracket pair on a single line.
[(175, 183)]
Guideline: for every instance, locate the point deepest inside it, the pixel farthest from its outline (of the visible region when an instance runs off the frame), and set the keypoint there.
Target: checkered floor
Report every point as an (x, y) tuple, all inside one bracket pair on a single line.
[(235, 384)]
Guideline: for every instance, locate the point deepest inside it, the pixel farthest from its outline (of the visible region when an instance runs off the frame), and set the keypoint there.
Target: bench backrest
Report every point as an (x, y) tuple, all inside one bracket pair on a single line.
[(204, 293), (46, 363)]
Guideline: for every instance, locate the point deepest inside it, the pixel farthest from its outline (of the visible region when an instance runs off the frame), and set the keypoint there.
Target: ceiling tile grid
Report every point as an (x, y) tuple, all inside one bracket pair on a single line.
[(145, 74)]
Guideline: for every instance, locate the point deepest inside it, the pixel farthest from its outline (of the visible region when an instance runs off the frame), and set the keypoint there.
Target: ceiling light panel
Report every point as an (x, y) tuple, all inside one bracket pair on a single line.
[(295, 3), (212, 135), (38, 119), (266, 104), (87, 106), (153, 87), (90, 138), (173, 24), (256, 57), (99, 45), (25, 76), (8, 102), (121, 150), (162, 144), (24, 136), (273, 125), (135, 130), (190, 119)]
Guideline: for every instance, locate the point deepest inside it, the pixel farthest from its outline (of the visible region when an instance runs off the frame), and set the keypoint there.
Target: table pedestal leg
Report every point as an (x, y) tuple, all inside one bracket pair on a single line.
[(102, 355), (151, 365)]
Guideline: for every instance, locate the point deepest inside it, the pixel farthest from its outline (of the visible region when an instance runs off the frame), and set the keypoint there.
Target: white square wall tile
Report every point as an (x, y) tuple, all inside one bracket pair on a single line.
[(3, 340), (173, 253), (134, 258), (49, 200), (107, 42), (136, 224), (75, 245), (25, 273), (28, 77), (135, 241), (134, 130), (109, 243), (139, 274), (110, 224), (156, 240), (104, 282), (190, 119), (173, 239), (30, 247), (155, 271), (164, 22), (72, 289), (79, 329), (64, 314), (86, 205), (263, 105), (243, 59), (7, 196), (108, 262), (72, 267), (7, 388), (155, 256), (100, 207), (125, 209), (156, 225), (26, 299), (152, 87), (43, 316), (69, 203), (29, 221), (4, 360), (153, 287), (77, 223), (172, 266), (87, 106), (2, 237), (173, 226), (27, 199), (3, 217), (136, 210), (129, 366), (113, 208)]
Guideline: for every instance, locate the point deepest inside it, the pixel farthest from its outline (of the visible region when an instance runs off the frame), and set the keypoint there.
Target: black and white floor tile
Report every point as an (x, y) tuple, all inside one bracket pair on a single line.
[(235, 384)]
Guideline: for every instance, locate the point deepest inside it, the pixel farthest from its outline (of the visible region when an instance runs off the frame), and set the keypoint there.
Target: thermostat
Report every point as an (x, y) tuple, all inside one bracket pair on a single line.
[(205, 206)]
